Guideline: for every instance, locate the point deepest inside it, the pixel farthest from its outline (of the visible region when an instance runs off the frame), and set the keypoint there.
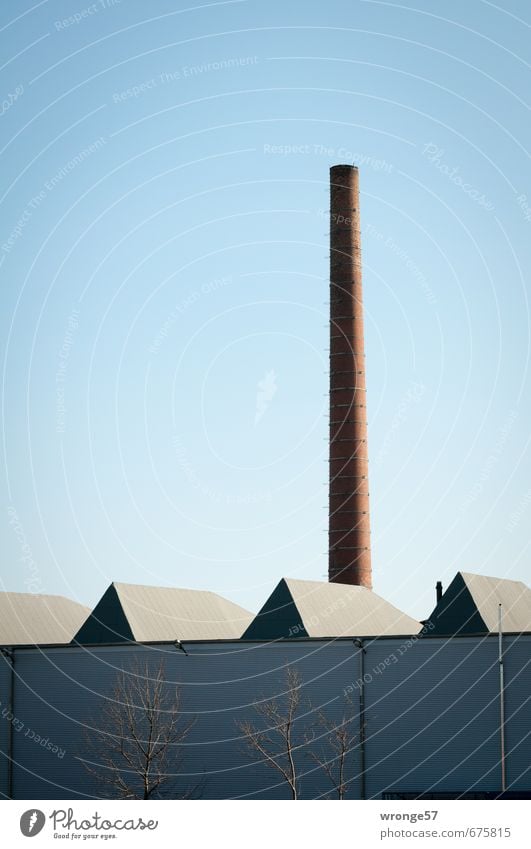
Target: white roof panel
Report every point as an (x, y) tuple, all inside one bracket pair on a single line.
[(169, 613), (30, 619)]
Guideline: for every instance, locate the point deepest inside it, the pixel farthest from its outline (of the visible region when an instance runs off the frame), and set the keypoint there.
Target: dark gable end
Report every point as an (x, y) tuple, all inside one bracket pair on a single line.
[(107, 623), (278, 618), (457, 612)]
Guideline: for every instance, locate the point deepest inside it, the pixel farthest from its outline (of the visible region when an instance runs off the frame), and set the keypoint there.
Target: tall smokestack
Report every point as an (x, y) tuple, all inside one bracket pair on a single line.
[(349, 526)]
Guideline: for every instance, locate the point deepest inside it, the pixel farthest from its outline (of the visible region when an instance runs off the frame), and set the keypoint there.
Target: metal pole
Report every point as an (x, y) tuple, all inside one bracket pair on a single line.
[(502, 697)]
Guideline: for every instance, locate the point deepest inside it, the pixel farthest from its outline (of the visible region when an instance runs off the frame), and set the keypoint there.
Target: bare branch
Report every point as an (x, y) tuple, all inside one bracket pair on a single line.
[(136, 749), (274, 740), (340, 741)]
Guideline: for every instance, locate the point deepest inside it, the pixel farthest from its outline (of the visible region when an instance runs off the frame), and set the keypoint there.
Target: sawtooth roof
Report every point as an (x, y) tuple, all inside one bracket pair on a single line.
[(321, 609), (30, 619), (131, 612), (470, 605)]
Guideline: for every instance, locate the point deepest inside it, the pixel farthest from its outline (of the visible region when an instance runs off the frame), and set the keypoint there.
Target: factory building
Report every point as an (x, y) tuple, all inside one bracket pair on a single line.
[(423, 709), (439, 708), (424, 713)]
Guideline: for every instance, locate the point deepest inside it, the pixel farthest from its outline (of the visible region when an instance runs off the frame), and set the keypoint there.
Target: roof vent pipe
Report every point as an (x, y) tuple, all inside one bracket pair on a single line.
[(438, 591)]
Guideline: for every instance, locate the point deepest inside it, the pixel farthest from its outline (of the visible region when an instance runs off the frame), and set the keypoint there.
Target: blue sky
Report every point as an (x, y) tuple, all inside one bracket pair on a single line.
[(164, 264)]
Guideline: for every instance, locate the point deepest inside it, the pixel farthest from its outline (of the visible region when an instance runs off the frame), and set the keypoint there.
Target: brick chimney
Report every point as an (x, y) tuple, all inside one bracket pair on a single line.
[(349, 549)]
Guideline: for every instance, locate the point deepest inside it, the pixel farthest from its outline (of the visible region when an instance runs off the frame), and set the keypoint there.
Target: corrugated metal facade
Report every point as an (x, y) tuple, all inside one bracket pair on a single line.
[(518, 713), (432, 712), (5, 722), (434, 717)]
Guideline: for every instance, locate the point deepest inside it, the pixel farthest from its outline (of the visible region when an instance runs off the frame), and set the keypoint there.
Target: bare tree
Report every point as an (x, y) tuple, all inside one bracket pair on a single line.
[(274, 738), (337, 741), (136, 749)]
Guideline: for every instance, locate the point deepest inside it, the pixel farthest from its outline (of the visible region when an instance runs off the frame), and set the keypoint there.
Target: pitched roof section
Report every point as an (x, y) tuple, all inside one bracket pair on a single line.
[(30, 619), (130, 612), (470, 605), (320, 609)]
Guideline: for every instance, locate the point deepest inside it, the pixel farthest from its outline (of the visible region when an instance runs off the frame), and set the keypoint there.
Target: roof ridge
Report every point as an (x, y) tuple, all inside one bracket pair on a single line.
[(491, 578), (159, 587)]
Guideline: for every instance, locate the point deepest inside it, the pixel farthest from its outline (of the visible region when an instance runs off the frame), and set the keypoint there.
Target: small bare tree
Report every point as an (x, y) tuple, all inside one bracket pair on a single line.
[(274, 738), (136, 749), (337, 741)]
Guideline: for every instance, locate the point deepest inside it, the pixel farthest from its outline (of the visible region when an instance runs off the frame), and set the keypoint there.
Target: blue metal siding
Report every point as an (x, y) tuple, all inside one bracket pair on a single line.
[(60, 693), (63, 688), (224, 681), (517, 664), (432, 714), (5, 722)]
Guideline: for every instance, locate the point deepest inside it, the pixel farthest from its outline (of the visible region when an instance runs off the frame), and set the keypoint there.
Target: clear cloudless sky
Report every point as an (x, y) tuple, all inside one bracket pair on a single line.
[(164, 267)]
